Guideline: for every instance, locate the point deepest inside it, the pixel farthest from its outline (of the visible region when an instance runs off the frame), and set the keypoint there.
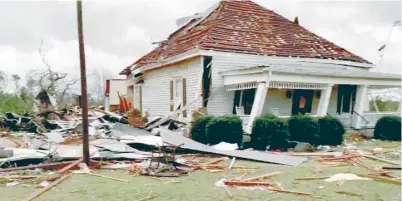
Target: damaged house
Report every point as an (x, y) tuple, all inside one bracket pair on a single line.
[(240, 58)]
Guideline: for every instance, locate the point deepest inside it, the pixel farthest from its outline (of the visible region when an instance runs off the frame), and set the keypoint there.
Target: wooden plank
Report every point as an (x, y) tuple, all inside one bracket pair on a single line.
[(311, 178), (72, 165), (288, 191), (42, 190), (107, 177), (381, 159), (264, 176), (381, 179), (244, 183)]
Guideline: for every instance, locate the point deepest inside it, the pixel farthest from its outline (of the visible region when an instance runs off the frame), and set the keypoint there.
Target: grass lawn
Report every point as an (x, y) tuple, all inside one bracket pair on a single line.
[(200, 185)]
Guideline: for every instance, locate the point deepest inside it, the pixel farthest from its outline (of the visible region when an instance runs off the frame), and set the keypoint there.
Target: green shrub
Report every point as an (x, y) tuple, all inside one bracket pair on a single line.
[(269, 116), (198, 129), (388, 128), (269, 130), (225, 129), (331, 131), (303, 129)]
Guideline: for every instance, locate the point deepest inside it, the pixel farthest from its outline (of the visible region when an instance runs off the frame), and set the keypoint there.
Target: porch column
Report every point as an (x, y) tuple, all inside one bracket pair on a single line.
[(361, 96), (258, 104), (324, 101)]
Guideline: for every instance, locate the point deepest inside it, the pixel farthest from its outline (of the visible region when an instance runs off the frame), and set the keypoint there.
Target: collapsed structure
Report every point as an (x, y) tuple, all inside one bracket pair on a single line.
[(240, 58)]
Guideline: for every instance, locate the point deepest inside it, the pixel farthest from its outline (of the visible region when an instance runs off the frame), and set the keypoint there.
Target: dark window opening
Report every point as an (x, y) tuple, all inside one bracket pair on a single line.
[(346, 99), (247, 100), (206, 80)]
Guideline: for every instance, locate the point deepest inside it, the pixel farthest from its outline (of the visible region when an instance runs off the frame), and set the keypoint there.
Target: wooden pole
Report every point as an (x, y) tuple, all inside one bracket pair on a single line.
[(84, 98)]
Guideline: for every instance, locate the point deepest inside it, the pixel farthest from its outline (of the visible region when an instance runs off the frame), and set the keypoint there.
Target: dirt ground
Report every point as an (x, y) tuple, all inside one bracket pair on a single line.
[(200, 185)]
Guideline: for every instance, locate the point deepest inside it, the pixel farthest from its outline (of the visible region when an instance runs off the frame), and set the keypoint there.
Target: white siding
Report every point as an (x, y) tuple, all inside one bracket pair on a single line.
[(156, 87), (221, 101), (117, 86), (276, 98)]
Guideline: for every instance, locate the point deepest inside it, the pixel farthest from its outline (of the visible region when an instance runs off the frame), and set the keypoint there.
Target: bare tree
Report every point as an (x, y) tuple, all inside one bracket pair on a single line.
[(55, 83)]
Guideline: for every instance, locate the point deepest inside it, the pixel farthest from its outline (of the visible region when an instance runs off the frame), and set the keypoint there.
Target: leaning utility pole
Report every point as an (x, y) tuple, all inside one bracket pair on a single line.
[(84, 98)]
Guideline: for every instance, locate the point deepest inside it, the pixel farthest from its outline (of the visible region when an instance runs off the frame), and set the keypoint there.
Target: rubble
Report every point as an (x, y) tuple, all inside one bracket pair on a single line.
[(158, 150)]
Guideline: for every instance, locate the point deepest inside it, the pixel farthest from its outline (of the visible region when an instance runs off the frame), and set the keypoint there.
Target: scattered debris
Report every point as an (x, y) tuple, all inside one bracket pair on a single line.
[(345, 177)]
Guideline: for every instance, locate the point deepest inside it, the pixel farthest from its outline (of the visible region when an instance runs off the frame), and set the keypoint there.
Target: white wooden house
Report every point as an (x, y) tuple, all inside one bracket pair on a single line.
[(240, 58)]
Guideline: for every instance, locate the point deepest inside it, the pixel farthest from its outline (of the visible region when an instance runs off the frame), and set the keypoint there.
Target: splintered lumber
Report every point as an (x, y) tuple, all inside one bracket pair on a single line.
[(232, 163), (241, 176), (107, 177), (311, 178), (44, 166), (324, 154), (147, 198), (245, 183), (69, 167), (372, 169), (380, 179), (350, 194), (51, 185), (381, 159), (264, 176), (216, 161), (391, 168), (227, 191), (288, 191)]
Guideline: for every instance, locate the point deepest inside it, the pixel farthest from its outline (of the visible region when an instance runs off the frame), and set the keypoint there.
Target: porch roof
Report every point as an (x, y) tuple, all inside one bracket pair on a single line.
[(294, 69), (294, 73)]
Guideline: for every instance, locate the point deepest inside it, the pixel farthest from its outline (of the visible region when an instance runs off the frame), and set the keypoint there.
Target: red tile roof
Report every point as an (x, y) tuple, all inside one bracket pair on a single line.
[(248, 28)]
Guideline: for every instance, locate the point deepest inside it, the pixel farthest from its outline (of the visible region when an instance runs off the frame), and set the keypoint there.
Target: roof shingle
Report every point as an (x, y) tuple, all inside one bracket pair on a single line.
[(248, 28)]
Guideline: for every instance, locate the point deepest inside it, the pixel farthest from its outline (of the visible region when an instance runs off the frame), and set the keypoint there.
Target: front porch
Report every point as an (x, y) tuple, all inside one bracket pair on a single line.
[(285, 92)]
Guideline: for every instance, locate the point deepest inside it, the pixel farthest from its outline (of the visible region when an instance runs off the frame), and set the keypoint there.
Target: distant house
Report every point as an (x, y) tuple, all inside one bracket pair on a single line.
[(240, 58), (114, 88)]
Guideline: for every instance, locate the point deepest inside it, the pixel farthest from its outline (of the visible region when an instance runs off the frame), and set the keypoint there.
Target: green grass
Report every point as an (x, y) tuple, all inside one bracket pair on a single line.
[(200, 185)]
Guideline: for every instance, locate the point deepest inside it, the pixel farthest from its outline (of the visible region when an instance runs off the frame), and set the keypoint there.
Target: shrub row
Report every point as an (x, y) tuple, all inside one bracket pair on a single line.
[(270, 130), (213, 130), (388, 128)]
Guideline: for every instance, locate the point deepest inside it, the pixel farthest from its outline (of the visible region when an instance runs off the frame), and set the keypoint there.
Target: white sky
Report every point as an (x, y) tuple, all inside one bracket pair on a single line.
[(119, 32)]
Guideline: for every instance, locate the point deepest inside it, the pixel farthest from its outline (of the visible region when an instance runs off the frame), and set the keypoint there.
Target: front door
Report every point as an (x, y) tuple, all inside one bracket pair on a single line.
[(302, 101)]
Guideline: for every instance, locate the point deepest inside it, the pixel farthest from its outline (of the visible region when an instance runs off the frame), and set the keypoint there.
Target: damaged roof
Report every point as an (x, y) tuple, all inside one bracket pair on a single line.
[(248, 28)]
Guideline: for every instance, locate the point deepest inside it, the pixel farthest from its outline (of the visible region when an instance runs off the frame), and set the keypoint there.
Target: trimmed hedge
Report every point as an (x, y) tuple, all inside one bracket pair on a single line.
[(198, 129), (331, 131), (304, 129), (269, 130), (225, 129), (388, 128)]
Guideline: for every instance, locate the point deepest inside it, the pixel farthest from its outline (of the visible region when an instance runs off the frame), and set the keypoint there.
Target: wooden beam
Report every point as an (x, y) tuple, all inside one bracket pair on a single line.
[(244, 183), (264, 176), (72, 165), (288, 191), (42, 190), (381, 159)]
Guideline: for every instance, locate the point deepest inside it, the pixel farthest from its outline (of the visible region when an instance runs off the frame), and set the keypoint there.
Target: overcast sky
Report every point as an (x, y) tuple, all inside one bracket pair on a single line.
[(119, 32)]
